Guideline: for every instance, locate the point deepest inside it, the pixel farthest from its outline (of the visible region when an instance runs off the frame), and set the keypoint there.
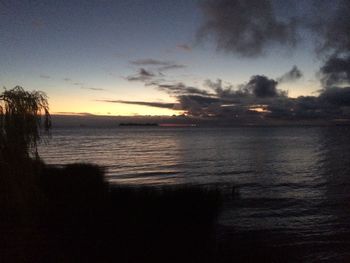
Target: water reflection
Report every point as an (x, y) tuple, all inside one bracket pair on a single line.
[(334, 167)]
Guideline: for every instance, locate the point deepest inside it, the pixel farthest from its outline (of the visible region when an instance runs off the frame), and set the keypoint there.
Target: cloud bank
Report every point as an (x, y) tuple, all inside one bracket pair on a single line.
[(248, 29), (259, 96), (245, 28)]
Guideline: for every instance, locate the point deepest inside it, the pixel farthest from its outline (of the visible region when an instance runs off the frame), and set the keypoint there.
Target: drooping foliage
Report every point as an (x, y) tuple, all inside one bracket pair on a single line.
[(24, 116)]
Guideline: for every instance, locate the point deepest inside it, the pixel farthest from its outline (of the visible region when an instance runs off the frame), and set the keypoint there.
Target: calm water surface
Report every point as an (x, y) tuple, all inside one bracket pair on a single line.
[(293, 183)]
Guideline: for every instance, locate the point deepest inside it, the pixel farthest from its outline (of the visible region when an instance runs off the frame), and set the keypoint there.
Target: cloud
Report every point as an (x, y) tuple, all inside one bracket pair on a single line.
[(336, 97), (196, 105), (148, 77), (227, 92), (332, 103), (67, 79), (144, 103), (143, 75), (181, 89), (173, 66), (333, 34), (333, 31), (219, 100), (332, 27), (94, 89), (160, 65), (184, 47), (336, 71), (215, 99), (290, 76), (45, 76), (260, 92), (246, 28), (150, 62), (263, 87)]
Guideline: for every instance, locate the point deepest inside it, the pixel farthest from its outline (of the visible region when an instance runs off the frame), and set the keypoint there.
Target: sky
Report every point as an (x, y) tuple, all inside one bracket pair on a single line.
[(193, 57)]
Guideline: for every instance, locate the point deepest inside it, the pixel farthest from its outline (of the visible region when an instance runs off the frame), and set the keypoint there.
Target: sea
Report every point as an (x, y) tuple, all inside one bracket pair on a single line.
[(287, 187)]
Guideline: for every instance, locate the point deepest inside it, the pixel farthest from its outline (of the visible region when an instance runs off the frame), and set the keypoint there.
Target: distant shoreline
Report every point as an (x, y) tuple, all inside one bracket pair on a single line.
[(68, 121)]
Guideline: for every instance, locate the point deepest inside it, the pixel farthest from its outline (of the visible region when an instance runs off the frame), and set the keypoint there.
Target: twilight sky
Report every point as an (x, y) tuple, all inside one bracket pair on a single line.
[(148, 57)]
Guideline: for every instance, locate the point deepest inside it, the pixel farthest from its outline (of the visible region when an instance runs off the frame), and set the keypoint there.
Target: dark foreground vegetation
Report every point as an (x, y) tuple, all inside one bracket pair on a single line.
[(71, 214)]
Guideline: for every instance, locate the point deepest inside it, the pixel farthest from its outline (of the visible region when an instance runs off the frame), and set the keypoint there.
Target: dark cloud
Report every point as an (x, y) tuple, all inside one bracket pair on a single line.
[(196, 105), (333, 30), (260, 93), (184, 47), (249, 28), (217, 99), (228, 91), (160, 64), (263, 87), (172, 66), (67, 79), (150, 62), (181, 89), (144, 103), (332, 103), (303, 107), (45, 76), (331, 22), (143, 75), (292, 75), (246, 27), (336, 71), (257, 98), (335, 97), (148, 76)]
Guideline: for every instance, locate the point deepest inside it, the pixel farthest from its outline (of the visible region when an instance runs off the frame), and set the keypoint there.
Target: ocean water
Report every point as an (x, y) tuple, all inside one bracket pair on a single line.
[(293, 183)]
